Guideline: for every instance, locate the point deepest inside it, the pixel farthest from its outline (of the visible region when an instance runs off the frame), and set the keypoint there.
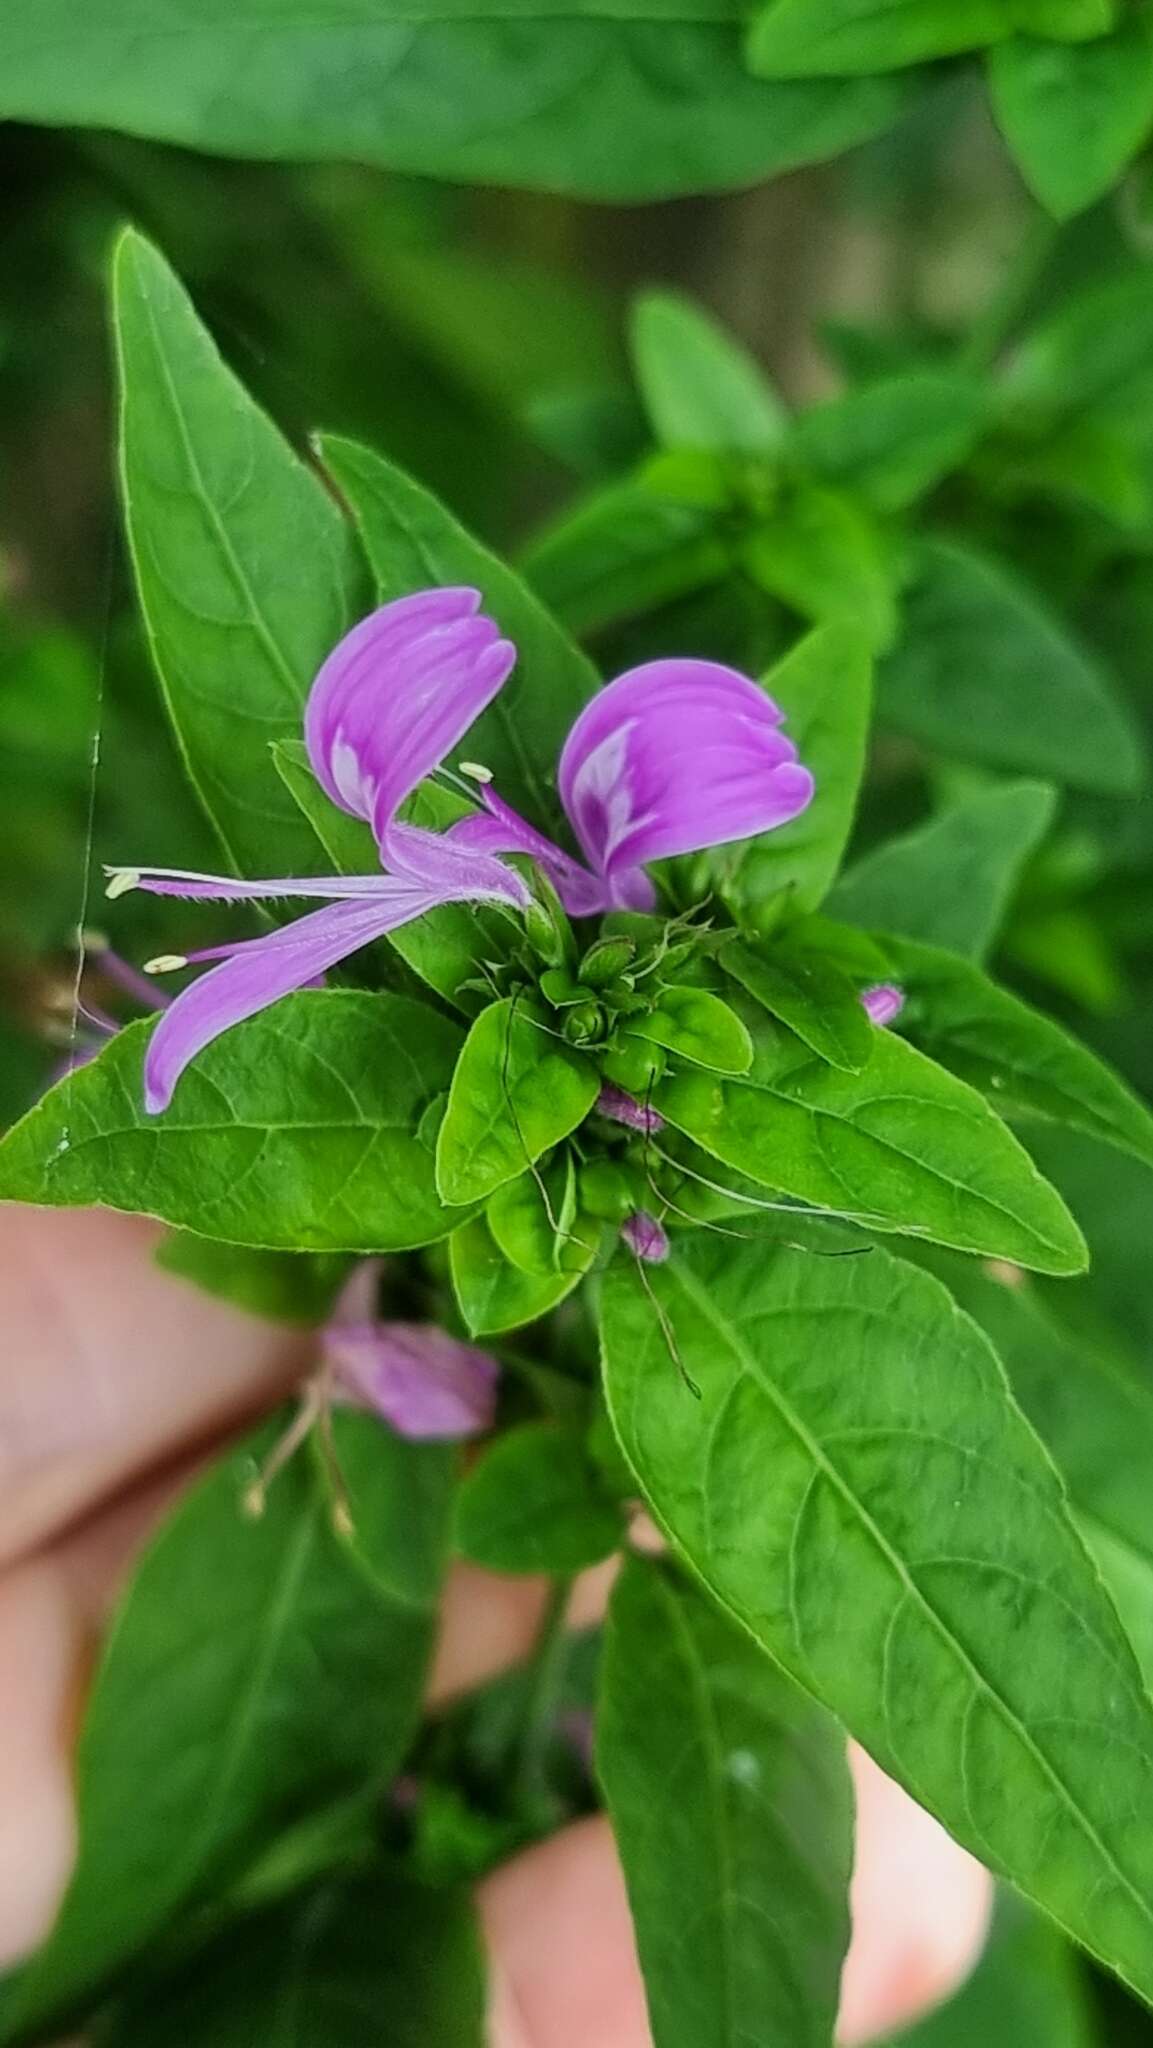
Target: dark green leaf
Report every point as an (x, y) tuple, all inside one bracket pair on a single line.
[(243, 565), (534, 1503), (700, 387), (492, 1293), (327, 1970), (634, 546), (578, 97), (517, 1090), (1028, 1988), (837, 38), (296, 1131), (412, 542), (1027, 1065), (809, 994), (950, 882), (984, 671), (258, 1671), (291, 1287), (730, 1804), (857, 1488), (1075, 114), (902, 1145), (1094, 353), (893, 440), (696, 1026), (820, 552), (824, 687)]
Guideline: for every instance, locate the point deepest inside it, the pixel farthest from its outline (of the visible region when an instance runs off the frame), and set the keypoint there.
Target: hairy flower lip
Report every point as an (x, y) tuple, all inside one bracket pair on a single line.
[(671, 757)]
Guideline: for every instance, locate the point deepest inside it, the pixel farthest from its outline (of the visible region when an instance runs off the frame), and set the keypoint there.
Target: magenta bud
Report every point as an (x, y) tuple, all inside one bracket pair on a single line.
[(622, 1108), (645, 1237), (884, 1003)]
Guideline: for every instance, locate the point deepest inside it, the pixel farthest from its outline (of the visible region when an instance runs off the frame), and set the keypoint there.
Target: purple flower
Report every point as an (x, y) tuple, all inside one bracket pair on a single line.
[(645, 1237), (421, 1381), (623, 1108), (885, 1002), (672, 757)]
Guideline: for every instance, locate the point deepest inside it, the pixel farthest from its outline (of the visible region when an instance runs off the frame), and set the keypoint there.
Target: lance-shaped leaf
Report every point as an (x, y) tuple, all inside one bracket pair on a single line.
[(412, 542), (534, 1502), (985, 671), (824, 688), (821, 552), (323, 1971), (700, 387), (1027, 1065), (516, 1091), (221, 1712), (492, 1294), (950, 882), (730, 1803), (244, 567), (300, 1130), (836, 38), (635, 545), (857, 1488), (634, 102), (1075, 115), (809, 993), (892, 440), (900, 1146)]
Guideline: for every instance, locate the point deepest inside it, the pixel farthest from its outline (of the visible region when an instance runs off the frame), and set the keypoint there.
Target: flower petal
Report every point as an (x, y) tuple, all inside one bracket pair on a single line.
[(397, 695), (423, 1382), (674, 756), (257, 972), (500, 829), (453, 864)]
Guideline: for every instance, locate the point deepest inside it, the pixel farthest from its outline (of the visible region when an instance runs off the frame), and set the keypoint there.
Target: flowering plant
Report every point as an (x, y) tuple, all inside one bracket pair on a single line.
[(656, 1185)]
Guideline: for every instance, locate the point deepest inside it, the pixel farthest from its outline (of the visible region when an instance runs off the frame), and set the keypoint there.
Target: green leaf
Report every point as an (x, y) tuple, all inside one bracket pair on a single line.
[(444, 947), (244, 567), (820, 552), (700, 387), (494, 1295), (412, 542), (824, 687), (912, 1535), (633, 546), (638, 101), (984, 671), (291, 1287), (297, 1131), (950, 882), (902, 1145), (894, 439), (1027, 1065), (324, 1971), (730, 1804), (696, 1026), (539, 1242), (517, 1090), (837, 38), (1095, 353), (809, 994), (1028, 1988), (534, 1503), (1075, 114), (214, 1724)]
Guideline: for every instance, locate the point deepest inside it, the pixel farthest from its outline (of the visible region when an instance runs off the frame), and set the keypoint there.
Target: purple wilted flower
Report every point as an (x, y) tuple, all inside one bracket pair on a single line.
[(622, 1108), (92, 1024), (885, 1002), (421, 1381), (646, 1237), (672, 757)]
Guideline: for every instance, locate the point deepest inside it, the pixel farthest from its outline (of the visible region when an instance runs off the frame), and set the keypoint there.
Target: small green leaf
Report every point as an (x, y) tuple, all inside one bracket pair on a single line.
[(533, 1503), (809, 994), (696, 1026), (516, 1091), (494, 1295), (821, 553), (824, 687), (539, 1242), (245, 570), (901, 1146), (291, 1287), (320, 1970), (984, 671), (635, 545), (950, 882), (726, 1787), (839, 38), (214, 1724), (913, 1534), (701, 389), (894, 439), (297, 1131), (1027, 1065), (1094, 354), (412, 542), (1075, 114)]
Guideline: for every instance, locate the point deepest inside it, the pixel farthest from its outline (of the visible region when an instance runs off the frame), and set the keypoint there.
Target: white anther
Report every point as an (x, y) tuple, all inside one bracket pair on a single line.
[(165, 963), (476, 771), (120, 881)]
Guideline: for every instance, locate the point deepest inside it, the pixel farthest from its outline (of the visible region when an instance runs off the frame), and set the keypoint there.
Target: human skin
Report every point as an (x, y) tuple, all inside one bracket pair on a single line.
[(115, 1380)]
